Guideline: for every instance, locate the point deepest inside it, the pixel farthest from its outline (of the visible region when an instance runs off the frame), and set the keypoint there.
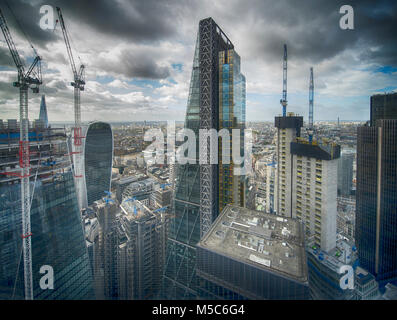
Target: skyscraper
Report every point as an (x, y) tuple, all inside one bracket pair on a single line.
[(43, 112), (376, 196), (57, 232), (249, 254), (288, 129), (345, 173), (98, 157), (216, 100), (383, 106), (314, 189)]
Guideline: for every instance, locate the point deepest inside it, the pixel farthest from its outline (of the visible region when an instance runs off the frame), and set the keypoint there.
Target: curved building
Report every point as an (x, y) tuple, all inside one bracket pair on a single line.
[(98, 157)]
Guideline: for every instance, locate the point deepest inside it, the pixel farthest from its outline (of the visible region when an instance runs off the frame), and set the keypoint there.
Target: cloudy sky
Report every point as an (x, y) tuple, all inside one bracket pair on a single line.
[(139, 54)]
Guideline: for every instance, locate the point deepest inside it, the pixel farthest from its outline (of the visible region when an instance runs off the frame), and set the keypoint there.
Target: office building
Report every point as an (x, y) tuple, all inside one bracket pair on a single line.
[(105, 241), (141, 251), (162, 196), (216, 100), (141, 190), (376, 195), (43, 116), (314, 188), (98, 157), (345, 173), (124, 182), (57, 232), (249, 254), (383, 106), (288, 129), (324, 266), (365, 285)]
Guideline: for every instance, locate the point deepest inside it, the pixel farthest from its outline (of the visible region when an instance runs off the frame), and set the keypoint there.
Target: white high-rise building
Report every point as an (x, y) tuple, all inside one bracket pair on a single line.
[(288, 129), (307, 181), (314, 189)]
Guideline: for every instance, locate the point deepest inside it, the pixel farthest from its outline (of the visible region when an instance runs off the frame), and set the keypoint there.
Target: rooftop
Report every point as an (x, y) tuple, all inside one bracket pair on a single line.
[(263, 240)]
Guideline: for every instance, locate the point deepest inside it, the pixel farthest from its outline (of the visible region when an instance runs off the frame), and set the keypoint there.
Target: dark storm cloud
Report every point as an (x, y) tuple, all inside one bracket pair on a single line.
[(28, 17), (135, 19), (136, 65), (311, 29), (129, 19), (8, 91), (5, 57)]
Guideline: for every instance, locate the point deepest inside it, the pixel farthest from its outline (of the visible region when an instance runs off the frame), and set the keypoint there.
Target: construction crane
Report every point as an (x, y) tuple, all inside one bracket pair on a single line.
[(26, 79), (78, 85), (283, 101), (310, 129)]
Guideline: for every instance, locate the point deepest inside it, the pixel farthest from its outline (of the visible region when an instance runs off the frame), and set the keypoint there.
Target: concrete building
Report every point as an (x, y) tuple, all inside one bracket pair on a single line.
[(124, 182), (141, 252), (365, 285), (314, 189), (345, 173), (288, 129), (162, 196), (141, 190), (252, 255)]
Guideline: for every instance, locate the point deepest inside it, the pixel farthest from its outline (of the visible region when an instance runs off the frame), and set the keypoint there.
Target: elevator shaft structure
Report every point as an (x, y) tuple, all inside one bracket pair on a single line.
[(29, 79)]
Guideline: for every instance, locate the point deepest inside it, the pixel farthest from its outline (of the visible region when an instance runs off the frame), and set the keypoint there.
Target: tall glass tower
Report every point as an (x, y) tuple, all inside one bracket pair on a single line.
[(98, 157), (57, 232), (376, 195), (197, 200)]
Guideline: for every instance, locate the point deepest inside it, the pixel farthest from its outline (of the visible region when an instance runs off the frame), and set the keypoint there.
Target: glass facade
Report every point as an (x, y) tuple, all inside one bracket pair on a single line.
[(179, 275), (203, 112), (57, 232), (231, 116), (383, 106), (376, 199), (98, 155)]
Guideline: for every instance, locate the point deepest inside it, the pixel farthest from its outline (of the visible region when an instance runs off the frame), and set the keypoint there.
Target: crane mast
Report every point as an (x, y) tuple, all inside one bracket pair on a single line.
[(311, 98), (78, 85), (30, 79), (283, 101)]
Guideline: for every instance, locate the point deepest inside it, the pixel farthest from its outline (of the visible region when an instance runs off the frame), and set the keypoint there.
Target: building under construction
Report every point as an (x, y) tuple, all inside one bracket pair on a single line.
[(57, 236)]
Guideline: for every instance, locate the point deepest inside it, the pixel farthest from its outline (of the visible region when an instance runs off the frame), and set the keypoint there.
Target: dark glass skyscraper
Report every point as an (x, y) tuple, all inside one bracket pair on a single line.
[(57, 232), (376, 196), (43, 116), (98, 157), (216, 100), (383, 106)]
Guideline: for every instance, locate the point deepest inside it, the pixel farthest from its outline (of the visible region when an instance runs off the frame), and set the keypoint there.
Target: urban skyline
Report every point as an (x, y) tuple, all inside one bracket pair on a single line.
[(164, 209), (138, 65)]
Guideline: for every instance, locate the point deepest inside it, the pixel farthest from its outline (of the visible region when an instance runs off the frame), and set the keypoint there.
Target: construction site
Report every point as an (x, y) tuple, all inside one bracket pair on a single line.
[(41, 185)]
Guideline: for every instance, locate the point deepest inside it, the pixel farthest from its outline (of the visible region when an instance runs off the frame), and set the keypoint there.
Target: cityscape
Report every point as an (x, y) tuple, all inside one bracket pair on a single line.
[(160, 179)]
